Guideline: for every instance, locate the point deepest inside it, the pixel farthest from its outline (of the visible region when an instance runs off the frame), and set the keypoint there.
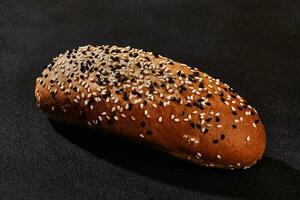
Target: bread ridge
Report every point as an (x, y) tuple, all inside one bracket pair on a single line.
[(149, 98)]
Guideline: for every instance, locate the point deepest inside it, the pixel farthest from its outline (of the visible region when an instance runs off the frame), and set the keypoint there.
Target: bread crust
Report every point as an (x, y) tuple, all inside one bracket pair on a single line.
[(149, 98)]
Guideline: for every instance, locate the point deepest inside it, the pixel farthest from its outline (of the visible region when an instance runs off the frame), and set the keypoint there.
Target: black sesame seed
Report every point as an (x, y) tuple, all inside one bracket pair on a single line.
[(198, 126), (192, 125), (148, 132), (161, 103), (201, 85), (217, 119), (130, 106), (205, 131), (215, 141), (82, 68), (234, 113), (222, 136), (240, 108), (234, 126), (143, 124), (208, 119), (208, 95), (256, 121), (171, 81)]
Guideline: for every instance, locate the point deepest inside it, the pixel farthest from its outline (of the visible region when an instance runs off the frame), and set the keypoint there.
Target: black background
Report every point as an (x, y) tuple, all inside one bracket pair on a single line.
[(251, 45)]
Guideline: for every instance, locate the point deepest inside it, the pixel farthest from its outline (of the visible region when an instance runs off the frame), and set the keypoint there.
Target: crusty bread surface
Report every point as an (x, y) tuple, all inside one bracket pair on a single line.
[(152, 99)]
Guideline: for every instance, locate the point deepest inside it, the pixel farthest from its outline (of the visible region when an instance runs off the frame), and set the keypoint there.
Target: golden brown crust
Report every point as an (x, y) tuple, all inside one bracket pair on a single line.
[(152, 99)]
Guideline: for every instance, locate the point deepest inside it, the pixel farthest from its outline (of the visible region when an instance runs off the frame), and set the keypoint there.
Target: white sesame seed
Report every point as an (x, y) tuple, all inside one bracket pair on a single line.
[(254, 125), (141, 106), (219, 157), (103, 113), (199, 154), (160, 119), (100, 118), (132, 118), (116, 118), (248, 138), (236, 121), (176, 120), (172, 116), (219, 126), (123, 115), (141, 135), (238, 164)]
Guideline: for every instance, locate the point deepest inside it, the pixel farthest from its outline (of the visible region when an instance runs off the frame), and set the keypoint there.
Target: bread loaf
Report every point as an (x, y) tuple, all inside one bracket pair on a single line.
[(148, 98)]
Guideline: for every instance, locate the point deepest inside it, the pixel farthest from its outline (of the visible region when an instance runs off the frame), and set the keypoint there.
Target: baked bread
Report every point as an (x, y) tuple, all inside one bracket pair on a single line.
[(151, 99)]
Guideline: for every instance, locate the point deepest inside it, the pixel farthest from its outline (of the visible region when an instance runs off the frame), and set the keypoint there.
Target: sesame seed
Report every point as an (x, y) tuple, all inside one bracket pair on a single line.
[(132, 118), (141, 106), (219, 157), (116, 118), (176, 120), (160, 119), (254, 125), (141, 135), (248, 138)]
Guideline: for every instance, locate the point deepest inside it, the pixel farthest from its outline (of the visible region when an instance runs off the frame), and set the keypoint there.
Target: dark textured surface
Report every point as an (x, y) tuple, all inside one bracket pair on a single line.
[(253, 46)]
